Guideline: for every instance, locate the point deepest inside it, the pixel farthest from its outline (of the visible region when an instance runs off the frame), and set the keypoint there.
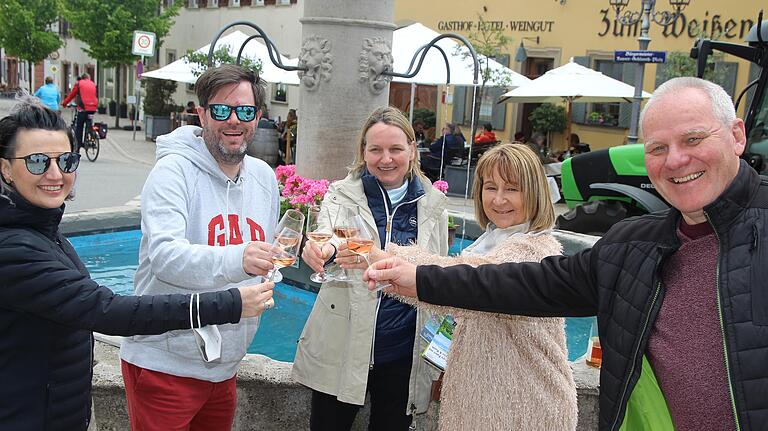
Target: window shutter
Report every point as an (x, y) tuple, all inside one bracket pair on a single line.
[(499, 109), (754, 73), (579, 110), (459, 100), (730, 69), (625, 109), (499, 115)]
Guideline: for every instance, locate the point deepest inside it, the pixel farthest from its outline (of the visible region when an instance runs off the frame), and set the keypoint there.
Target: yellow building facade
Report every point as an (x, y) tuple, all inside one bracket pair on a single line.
[(589, 33)]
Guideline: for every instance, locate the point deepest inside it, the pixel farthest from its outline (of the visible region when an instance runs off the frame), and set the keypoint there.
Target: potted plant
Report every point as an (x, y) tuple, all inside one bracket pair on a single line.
[(123, 110), (102, 108), (546, 119), (158, 105), (112, 108)]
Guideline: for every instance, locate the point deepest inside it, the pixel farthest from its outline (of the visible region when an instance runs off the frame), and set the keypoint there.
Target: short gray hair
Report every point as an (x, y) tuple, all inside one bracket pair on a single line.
[(722, 105)]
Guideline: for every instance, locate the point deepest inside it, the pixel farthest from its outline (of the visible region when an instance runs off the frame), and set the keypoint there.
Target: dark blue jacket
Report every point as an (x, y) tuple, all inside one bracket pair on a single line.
[(395, 321), (48, 307), (454, 144)]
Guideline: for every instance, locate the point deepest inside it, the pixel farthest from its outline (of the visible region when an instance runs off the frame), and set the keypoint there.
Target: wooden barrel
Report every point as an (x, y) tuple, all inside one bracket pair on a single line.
[(264, 146)]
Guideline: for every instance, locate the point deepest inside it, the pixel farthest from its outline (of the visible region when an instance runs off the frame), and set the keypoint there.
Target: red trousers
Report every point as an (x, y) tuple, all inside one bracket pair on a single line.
[(162, 402)]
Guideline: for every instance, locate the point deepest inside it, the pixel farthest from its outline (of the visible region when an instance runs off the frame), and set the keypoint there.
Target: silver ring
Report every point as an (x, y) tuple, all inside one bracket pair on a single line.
[(267, 304)]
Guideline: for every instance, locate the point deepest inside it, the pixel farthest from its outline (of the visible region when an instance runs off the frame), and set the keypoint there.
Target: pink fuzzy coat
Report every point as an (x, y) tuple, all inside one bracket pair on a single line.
[(504, 372)]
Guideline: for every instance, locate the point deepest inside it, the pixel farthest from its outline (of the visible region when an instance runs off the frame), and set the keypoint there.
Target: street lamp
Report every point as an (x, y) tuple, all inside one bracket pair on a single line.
[(645, 17)]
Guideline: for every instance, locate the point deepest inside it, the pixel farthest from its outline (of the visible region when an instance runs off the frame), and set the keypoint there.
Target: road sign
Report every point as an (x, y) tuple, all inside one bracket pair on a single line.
[(130, 99), (639, 56), (143, 43)]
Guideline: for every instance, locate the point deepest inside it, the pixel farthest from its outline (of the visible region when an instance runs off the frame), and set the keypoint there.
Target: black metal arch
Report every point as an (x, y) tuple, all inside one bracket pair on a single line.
[(421, 53), (271, 47)]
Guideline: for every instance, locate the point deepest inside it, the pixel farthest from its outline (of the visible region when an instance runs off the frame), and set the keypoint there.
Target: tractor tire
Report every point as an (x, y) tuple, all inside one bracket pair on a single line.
[(592, 218)]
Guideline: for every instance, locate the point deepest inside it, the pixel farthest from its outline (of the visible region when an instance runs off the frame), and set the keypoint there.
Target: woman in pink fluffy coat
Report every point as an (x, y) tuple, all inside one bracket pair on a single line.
[(505, 372)]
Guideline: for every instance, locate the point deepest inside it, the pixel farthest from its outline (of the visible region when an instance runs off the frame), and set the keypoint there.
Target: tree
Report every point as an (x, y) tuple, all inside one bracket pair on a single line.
[(159, 99), (489, 41), (199, 60), (25, 30), (107, 27), (681, 64), (548, 118)]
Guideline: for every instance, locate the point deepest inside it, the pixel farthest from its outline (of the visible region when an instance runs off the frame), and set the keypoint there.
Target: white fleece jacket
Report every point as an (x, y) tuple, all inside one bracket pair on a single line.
[(195, 225)]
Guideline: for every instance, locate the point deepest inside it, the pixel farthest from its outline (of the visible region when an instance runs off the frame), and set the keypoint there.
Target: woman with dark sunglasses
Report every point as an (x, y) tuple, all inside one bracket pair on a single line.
[(48, 303)]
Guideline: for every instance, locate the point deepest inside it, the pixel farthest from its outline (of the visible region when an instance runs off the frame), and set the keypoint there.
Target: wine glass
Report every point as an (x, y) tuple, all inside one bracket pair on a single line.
[(320, 234), (288, 241), (293, 220), (341, 229), (360, 241)]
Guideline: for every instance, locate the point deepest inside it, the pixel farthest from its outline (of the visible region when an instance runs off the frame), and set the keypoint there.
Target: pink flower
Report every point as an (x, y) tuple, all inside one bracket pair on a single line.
[(300, 192), (284, 171), (441, 185)]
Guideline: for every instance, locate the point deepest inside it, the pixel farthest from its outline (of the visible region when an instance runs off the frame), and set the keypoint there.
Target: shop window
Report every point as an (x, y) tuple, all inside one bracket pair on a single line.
[(490, 111), (280, 93), (606, 114)]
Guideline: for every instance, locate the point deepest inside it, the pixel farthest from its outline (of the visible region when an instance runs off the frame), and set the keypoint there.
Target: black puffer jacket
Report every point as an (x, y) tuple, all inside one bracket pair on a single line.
[(48, 308), (619, 280)]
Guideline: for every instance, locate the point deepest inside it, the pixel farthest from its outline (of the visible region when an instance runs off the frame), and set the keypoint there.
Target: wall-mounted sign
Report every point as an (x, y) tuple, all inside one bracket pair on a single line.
[(710, 26), (638, 56), (511, 25)]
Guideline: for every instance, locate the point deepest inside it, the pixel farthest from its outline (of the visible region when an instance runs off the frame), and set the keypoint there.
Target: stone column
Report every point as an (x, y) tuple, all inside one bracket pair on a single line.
[(345, 45)]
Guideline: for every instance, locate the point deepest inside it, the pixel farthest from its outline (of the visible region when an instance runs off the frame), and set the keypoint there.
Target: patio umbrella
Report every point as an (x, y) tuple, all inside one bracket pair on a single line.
[(181, 71), (407, 40), (570, 83)]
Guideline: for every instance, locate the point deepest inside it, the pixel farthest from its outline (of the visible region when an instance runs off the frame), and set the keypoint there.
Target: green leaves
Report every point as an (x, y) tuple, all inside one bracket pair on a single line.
[(25, 28), (548, 118), (199, 60), (107, 26)]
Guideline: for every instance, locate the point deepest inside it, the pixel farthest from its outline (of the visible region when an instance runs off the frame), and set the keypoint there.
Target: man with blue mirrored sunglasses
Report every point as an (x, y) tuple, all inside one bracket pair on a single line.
[(208, 216)]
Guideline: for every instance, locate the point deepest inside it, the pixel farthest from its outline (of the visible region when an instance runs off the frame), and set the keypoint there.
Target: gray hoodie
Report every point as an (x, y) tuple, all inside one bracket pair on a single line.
[(187, 207)]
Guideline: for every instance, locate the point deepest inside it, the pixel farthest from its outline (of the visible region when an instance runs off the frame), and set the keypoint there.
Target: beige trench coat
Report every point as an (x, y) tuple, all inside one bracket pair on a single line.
[(335, 349)]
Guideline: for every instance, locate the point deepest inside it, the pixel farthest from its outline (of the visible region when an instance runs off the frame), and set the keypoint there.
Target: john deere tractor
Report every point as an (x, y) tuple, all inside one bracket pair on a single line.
[(605, 186)]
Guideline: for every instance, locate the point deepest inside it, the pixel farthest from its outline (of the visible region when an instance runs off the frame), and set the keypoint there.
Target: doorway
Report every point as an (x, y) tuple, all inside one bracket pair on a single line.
[(533, 67)]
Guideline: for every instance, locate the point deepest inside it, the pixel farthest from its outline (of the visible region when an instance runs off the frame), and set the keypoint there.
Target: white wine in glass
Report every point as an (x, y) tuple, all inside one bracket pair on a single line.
[(320, 234), (294, 220), (341, 229), (360, 241), (287, 241)]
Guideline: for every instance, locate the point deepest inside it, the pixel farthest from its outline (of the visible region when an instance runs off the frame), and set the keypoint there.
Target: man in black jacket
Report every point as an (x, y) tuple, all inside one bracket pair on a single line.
[(680, 295)]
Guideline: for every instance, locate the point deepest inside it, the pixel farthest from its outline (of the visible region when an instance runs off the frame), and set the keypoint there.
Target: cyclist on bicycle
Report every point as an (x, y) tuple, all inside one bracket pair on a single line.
[(86, 98)]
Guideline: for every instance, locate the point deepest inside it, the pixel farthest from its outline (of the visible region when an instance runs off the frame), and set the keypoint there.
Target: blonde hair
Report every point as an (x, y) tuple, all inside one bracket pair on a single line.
[(391, 117), (516, 164)]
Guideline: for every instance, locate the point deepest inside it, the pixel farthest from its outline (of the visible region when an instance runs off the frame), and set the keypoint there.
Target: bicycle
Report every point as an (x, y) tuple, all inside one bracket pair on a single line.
[(91, 139)]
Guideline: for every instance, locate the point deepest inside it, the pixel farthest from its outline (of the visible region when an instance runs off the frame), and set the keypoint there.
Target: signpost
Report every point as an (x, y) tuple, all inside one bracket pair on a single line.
[(143, 45), (638, 56)]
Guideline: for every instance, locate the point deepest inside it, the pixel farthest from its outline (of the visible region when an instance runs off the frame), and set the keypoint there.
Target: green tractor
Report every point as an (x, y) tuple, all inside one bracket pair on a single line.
[(604, 186)]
